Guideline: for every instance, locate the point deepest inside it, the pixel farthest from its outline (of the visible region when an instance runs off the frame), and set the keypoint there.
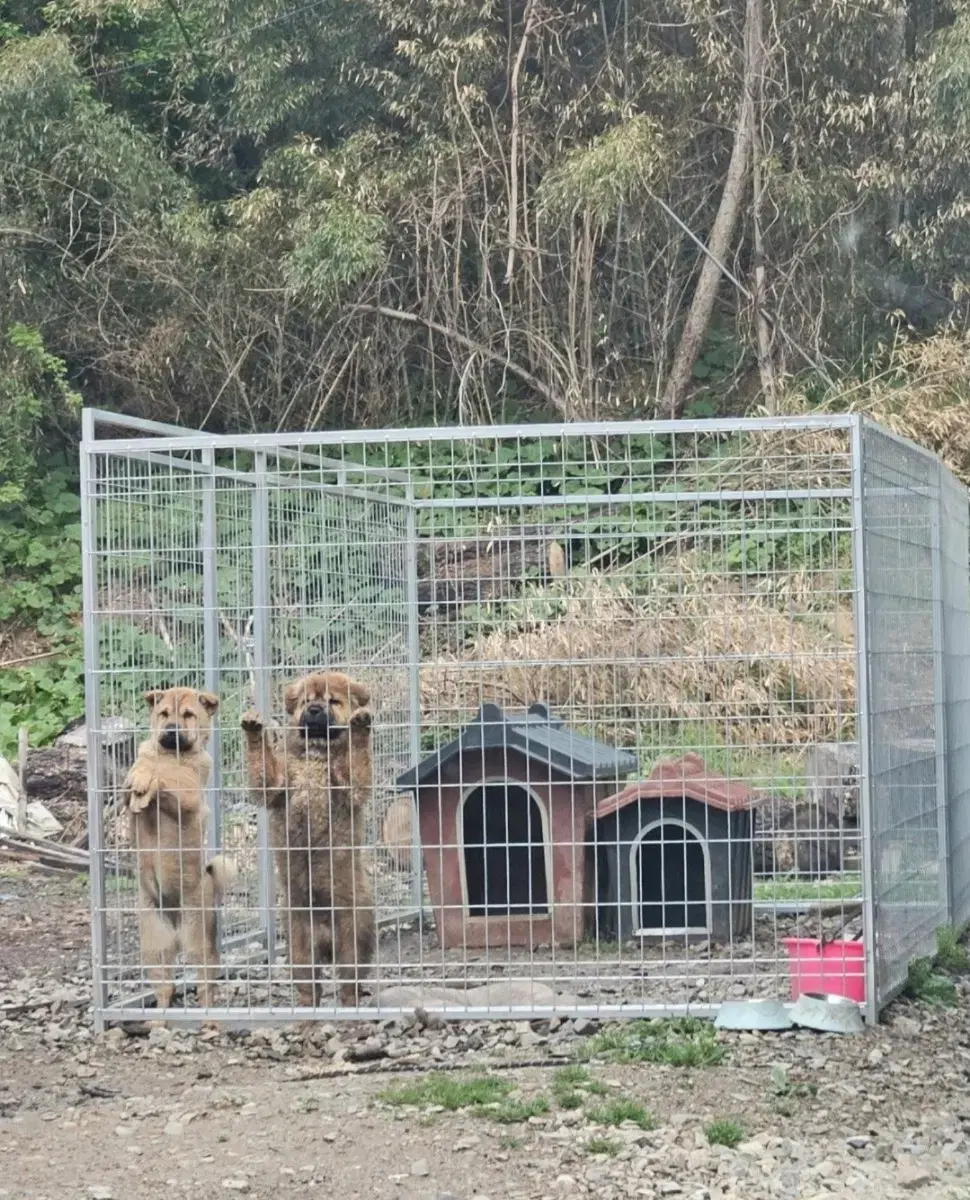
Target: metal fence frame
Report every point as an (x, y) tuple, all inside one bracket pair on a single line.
[(903, 501)]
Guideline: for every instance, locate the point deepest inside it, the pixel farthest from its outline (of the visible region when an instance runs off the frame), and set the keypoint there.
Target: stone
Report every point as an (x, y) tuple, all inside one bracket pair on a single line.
[(236, 1185), (467, 1143), (100, 1191), (857, 1142), (912, 1178), (420, 1168)]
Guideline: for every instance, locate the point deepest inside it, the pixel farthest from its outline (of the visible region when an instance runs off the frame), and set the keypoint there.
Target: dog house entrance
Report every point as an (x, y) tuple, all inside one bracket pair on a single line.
[(505, 854), (670, 882)]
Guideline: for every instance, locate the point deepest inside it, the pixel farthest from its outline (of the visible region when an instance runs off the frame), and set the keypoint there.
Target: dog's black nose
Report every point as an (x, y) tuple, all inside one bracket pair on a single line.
[(170, 737), (317, 711)]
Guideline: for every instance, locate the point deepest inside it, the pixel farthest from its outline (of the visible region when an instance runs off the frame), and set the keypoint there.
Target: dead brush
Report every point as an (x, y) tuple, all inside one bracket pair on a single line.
[(693, 650)]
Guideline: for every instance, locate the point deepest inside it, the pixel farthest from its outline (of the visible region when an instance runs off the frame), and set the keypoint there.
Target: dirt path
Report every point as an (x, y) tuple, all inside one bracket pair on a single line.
[(881, 1116)]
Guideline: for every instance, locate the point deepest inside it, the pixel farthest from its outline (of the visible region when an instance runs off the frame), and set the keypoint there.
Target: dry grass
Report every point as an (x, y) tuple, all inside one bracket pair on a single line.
[(768, 672)]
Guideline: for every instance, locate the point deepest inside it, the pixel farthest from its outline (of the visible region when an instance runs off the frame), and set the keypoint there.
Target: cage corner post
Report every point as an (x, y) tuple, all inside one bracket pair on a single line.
[(863, 717), (263, 697), (210, 650), (414, 687), (939, 691), (92, 712)]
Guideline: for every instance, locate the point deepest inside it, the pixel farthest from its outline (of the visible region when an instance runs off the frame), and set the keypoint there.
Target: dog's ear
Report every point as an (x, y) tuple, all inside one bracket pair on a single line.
[(291, 696), (152, 698), (209, 702), (359, 695)]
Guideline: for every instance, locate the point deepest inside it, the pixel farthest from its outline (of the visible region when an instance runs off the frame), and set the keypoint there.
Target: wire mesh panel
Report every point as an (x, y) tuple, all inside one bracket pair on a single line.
[(955, 554), (607, 675), (902, 539)]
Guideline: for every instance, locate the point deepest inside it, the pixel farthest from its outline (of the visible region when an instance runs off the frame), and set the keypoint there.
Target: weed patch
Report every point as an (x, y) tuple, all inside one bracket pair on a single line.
[(603, 1145), (724, 1133), (448, 1092), (615, 1112), (687, 1042)]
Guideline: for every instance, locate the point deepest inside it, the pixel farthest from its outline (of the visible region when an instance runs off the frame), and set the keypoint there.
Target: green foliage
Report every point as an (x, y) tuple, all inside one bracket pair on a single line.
[(515, 1112), (928, 986), (725, 1133), (597, 180), (342, 246), (449, 1092), (603, 1145), (929, 979), (684, 1042), (615, 1112), (35, 397), (40, 534), (951, 954)]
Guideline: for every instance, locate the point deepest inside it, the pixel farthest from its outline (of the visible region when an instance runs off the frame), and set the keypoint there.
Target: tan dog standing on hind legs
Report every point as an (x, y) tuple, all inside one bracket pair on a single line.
[(315, 787), (165, 797)]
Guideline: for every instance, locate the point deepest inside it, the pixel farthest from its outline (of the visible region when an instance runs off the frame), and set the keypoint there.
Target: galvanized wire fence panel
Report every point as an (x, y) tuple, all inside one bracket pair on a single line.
[(613, 674), (955, 555), (901, 534)]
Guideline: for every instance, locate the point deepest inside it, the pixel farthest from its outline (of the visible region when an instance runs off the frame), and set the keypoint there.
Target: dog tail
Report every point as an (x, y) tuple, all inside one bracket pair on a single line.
[(223, 872)]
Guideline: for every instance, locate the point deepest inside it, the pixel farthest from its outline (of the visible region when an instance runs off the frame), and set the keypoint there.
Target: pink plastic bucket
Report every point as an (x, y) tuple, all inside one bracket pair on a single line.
[(836, 969)]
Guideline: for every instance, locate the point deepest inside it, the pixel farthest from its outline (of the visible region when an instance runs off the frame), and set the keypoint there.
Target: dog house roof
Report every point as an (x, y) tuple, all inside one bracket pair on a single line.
[(689, 777), (536, 734)]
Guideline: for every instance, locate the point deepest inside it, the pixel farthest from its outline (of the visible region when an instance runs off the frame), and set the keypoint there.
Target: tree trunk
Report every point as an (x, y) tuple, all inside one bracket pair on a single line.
[(763, 333), (725, 223)]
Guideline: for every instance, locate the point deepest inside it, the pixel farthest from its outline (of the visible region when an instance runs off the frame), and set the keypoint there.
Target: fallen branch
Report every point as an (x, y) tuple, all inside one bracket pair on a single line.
[(408, 318)]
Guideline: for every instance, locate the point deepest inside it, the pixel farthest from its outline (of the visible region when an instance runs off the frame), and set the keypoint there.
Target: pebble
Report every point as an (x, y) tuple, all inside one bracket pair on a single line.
[(467, 1143), (236, 1185), (420, 1167), (100, 1191)]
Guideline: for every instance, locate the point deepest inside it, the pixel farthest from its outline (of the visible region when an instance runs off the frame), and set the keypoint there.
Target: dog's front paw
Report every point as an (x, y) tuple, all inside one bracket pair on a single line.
[(140, 789), (252, 724), (140, 798), (363, 718)]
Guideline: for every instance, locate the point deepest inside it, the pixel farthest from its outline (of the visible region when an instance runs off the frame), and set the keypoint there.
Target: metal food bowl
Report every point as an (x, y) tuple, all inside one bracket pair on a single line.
[(827, 1014), (753, 1015)]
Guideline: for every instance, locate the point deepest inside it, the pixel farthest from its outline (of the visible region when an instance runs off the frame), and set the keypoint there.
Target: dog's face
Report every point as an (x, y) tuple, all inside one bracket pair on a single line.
[(327, 705), (181, 718)]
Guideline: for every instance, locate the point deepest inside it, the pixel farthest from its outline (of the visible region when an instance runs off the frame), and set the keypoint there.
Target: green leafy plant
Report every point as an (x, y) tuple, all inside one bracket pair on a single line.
[(724, 1133), (684, 1042), (615, 1112), (928, 986), (603, 1145), (448, 1092)]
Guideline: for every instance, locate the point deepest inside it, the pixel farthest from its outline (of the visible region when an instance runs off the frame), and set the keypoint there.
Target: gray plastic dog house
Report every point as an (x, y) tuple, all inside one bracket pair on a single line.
[(672, 856)]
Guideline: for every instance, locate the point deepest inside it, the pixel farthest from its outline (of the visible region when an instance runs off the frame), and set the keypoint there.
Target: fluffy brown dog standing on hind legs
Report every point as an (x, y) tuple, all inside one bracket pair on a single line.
[(315, 786), (165, 797)]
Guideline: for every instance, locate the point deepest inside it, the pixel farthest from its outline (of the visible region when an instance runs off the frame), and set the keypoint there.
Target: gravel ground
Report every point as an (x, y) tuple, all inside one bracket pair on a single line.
[(289, 1112)]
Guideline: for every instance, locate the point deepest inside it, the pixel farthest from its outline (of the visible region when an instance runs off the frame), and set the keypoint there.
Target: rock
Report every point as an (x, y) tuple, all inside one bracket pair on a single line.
[(100, 1191), (857, 1142), (467, 1143), (420, 1168), (583, 1027), (236, 1185), (912, 1178), (669, 1188), (566, 1183), (875, 1057)]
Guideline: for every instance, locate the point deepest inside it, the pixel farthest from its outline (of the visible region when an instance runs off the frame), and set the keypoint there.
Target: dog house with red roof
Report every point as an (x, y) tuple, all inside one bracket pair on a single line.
[(504, 811), (673, 856)]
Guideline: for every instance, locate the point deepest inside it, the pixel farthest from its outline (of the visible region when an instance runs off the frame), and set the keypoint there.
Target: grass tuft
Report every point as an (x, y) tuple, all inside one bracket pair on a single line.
[(615, 1112), (686, 1042), (448, 1092), (725, 1133), (516, 1112), (603, 1145), (951, 954)]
